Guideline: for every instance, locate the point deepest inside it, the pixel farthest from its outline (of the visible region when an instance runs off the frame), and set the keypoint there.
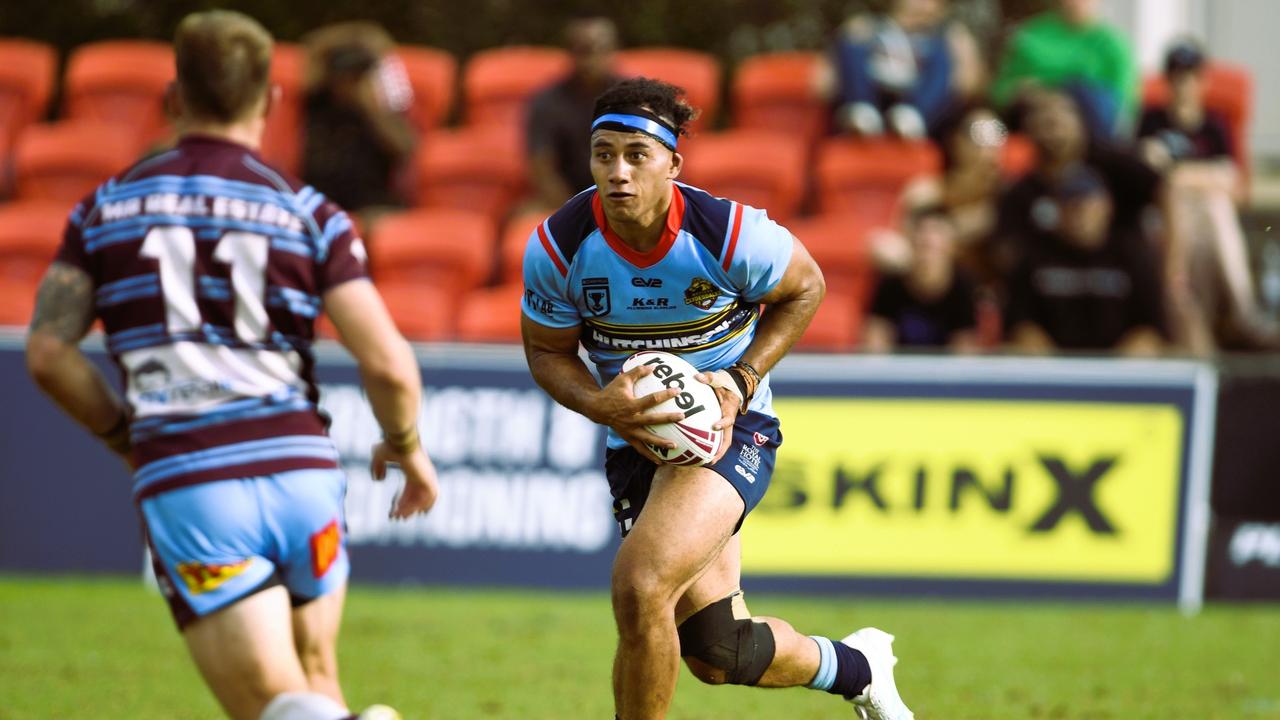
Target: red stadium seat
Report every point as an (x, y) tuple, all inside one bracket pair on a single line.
[(514, 239), (838, 243), (836, 327), (452, 250), (697, 72), (29, 235), (421, 311), (759, 168), (479, 169), (1228, 91), (498, 83), (866, 178), (121, 81), (492, 314), (432, 74), (66, 160), (282, 137), (30, 232), (26, 83), (777, 91)]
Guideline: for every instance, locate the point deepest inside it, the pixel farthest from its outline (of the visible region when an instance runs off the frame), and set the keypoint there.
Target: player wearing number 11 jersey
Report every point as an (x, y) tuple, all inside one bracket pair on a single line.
[(208, 269)]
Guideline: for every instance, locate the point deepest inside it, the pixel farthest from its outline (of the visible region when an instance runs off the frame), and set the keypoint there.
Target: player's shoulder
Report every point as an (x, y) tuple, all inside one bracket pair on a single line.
[(710, 220), (571, 225)]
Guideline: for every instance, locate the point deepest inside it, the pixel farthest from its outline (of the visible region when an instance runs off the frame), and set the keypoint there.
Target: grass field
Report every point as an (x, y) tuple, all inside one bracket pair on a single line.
[(79, 648)]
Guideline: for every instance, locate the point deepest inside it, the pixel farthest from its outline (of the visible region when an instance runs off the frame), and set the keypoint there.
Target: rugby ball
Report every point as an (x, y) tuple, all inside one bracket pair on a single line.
[(696, 443)]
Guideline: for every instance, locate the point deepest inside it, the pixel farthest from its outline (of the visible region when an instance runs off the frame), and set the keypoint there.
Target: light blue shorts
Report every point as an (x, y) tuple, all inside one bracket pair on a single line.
[(218, 542)]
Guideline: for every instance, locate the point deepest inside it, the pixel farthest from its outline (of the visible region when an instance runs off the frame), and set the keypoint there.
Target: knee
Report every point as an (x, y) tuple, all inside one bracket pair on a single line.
[(639, 596), (706, 673), (721, 643)]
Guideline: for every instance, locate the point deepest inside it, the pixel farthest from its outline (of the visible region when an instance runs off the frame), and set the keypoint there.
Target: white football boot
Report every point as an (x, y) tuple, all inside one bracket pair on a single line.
[(880, 701)]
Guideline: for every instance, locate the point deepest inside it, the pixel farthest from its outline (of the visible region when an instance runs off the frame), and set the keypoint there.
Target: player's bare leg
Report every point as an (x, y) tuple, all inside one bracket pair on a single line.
[(687, 520), (315, 635), (796, 656), (246, 653)]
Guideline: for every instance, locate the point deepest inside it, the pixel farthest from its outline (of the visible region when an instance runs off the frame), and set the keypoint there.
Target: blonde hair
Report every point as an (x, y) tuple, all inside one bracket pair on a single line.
[(223, 59)]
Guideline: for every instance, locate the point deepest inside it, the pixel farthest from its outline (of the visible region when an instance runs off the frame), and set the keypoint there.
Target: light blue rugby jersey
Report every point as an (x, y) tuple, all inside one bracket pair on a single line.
[(696, 294)]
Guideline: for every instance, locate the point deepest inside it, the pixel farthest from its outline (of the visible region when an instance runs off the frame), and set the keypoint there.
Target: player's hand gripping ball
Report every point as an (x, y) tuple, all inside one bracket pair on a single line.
[(696, 443)]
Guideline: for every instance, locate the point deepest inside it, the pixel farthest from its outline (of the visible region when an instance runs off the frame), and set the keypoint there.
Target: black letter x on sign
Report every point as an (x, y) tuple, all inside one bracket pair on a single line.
[(1075, 492)]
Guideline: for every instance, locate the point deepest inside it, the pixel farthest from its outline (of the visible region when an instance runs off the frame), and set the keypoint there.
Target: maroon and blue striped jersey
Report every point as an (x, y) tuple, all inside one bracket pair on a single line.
[(208, 268)]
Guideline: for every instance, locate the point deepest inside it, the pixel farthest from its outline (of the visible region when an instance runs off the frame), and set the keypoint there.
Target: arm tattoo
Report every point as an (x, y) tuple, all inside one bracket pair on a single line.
[(64, 303)]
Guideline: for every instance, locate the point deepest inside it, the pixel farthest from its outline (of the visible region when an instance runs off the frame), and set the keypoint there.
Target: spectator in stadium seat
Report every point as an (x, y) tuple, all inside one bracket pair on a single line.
[(1092, 286), (1194, 148), (932, 304), (559, 154), (357, 132), (971, 138), (1071, 48), (1026, 213), (901, 71)]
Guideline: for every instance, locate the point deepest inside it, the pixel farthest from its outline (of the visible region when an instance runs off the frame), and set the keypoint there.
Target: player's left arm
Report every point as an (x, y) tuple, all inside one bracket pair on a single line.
[(64, 312), (789, 308)]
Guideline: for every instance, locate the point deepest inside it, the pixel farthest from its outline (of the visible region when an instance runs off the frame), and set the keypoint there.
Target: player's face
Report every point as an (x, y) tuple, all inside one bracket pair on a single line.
[(633, 173)]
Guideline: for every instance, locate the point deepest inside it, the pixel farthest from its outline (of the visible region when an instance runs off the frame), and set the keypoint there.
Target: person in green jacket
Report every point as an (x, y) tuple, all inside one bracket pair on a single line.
[(1072, 49)]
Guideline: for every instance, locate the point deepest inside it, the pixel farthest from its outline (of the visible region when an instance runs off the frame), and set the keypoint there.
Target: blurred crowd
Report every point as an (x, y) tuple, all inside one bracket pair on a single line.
[(1122, 236), (1037, 198)]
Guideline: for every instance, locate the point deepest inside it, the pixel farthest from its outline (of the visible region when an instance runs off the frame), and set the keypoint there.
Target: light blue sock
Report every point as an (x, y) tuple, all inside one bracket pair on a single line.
[(826, 676)]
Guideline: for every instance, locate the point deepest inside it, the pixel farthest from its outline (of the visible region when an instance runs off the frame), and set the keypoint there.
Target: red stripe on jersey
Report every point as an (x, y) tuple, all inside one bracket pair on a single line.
[(302, 422), (551, 251), (670, 230), (733, 236)]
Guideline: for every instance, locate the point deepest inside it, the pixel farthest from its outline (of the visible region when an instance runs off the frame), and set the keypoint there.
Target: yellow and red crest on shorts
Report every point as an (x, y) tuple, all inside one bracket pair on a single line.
[(203, 577), (324, 548)]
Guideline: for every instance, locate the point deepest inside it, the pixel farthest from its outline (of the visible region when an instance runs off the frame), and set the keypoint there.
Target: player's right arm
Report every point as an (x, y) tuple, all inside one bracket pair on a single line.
[(553, 359), (64, 312), (550, 326), (393, 385)]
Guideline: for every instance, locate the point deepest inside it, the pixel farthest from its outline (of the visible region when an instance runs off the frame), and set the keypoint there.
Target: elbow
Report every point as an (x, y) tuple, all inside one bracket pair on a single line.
[(818, 286), (44, 353), (396, 369)]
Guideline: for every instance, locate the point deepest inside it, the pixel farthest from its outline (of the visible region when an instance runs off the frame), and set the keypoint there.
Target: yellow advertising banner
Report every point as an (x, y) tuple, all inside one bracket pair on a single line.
[(975, 489)]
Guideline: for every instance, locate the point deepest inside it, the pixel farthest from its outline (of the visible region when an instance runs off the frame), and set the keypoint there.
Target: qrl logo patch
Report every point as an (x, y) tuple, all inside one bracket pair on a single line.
[(324, 548), (204, 577)]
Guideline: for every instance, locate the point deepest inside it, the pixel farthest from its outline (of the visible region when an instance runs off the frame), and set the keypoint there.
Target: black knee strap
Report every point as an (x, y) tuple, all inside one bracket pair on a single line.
[(724, 636)]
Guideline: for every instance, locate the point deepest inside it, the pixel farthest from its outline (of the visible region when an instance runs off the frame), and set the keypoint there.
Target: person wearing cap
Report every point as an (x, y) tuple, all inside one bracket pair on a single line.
[(1184, 130), (641, 262), (1192, 145), (1092, 287)]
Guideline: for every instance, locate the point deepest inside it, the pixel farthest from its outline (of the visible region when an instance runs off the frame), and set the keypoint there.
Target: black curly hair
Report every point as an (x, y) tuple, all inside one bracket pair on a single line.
[(663, 99)]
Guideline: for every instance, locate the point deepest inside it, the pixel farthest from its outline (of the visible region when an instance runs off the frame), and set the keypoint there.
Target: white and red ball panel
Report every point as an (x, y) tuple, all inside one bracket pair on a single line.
[(696, 442)]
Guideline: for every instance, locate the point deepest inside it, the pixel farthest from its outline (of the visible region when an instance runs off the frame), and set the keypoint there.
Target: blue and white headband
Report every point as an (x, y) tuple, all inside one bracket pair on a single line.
[(634, 119)]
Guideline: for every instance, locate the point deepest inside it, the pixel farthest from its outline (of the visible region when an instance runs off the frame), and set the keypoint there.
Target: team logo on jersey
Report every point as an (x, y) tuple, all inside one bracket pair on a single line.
[(204, 577), (151, 376), (324, 548), (760, 439), (595, 296), (701, 294)]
